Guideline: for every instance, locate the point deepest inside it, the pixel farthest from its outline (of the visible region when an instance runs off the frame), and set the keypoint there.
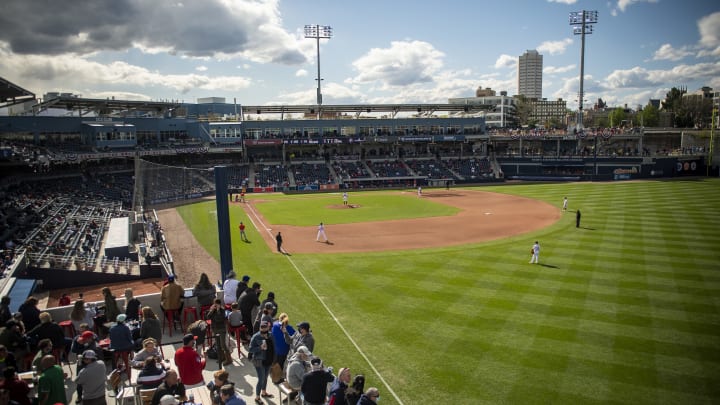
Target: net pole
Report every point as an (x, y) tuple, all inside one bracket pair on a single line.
[(223, 218)]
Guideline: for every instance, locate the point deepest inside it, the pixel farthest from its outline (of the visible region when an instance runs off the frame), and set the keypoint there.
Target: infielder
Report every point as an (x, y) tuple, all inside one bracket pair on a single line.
[(565, 202), (321, 232), (345, 198)]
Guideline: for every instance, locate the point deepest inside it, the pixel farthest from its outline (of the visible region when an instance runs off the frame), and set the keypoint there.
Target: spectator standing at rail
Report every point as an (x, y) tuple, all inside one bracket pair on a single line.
[(248, 301), (230, 288), (171, 298)]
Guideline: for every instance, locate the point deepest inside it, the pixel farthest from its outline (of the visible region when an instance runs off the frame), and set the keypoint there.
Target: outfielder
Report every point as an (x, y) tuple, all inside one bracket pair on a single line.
[(535, 253)]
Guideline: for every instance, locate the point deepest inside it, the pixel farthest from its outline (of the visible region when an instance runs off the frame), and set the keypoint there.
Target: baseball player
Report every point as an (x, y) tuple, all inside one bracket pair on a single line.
[(345, 198), (535, 253), (243, 237), (565, 202), (321, 232)]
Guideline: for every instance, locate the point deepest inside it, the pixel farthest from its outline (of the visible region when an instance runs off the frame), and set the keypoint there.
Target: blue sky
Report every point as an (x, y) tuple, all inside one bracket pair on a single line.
[(399, 51)]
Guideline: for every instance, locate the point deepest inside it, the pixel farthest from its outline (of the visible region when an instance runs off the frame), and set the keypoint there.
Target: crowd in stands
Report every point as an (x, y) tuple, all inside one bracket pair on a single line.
[(280, 351), (311, 173), (433, 169), (388, 168), (348, 169), (270, 175)]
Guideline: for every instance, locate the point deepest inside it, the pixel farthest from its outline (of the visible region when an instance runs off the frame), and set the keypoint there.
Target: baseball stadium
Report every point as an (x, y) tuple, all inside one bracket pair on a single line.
[(422, 280)]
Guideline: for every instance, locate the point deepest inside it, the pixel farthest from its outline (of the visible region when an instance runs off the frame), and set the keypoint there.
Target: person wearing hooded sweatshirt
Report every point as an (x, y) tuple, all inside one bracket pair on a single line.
[(296, 369), (339, 387), (370, 397)]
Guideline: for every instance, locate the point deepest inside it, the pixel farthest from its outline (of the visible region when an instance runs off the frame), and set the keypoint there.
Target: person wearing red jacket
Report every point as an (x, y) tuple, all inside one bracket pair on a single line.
[(189, 363)]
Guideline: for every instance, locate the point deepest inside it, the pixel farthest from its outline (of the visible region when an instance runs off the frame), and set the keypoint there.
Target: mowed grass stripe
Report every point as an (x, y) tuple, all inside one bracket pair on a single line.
[(624, 310)]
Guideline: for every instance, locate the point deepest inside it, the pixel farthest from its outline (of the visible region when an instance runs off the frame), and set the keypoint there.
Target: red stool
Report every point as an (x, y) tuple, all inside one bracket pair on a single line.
[(68, 328), (170, 319), (208, 333), (125, 358), (189, 311), (203, 310), (237, 330)]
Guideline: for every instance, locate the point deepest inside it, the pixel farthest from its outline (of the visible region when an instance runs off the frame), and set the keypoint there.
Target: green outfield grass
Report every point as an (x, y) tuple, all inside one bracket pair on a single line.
[(623, 310)]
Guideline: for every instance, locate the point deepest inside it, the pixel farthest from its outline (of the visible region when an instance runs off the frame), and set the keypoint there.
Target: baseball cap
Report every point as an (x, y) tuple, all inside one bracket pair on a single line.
[(89, 354), (264, 324), (269, 305), (121, 318), (246, 278), (168, 400), (316, 362), (87, 335), (303, 325), (171, 278), (188, 338), (231, 274)]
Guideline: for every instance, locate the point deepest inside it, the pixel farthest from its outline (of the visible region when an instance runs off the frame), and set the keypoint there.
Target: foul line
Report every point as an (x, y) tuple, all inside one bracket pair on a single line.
[(329, 311)]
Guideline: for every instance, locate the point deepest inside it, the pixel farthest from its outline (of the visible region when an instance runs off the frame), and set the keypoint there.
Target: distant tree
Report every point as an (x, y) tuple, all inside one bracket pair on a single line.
[(673, 102), (523, 109), (616, 117), (649, 116)]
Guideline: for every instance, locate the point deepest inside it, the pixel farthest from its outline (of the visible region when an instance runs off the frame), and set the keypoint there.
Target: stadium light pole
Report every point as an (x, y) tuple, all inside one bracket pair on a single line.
[(318, 31), (582, 25)]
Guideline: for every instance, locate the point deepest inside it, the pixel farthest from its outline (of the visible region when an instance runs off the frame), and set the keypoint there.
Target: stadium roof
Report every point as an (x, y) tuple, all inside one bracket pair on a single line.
[(362, 108), (11, 93), (105, 106)]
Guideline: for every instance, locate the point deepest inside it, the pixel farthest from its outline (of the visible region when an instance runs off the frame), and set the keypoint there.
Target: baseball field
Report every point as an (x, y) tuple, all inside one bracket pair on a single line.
[(433, 298)]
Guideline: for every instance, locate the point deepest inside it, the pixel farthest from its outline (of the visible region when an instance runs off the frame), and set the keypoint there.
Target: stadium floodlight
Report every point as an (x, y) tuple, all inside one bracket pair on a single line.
[(317, 32), (582, 24)]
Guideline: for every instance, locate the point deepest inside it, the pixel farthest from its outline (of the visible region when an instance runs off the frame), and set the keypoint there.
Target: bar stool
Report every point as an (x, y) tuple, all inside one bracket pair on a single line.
[(68, 328), (189, 311), (170, 319), (208, 333), (203, 310), (237, 330)]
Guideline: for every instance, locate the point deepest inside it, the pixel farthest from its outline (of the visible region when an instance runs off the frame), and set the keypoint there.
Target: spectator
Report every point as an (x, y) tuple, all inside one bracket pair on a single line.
[(171, 298), (47, 329), (64, 300), (5, 398), (80, 315), (282, 348), (264, 315), (189, 363), (83, 342), (151, 375), (216, 314), (120, 336), (92, 379), (370, 397), (220, 379), (271, 299), (261, 348), (228, 396), (355, 391), (230, 288), (170, 387), (132, 306), (339, 388), (30, 312), (303, 337), (204, 291), (51, 385), (248, 301), (150, 326), (5, 313), (296, 369), (7, 359), (45, 348), (17, 389), (150, 349), (314, 385), (13, 340), (242, 286), (111, 307)]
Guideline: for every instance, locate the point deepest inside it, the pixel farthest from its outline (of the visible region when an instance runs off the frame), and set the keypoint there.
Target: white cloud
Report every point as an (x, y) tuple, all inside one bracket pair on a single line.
[(554, 47), (301, 73), (402, 64), (551, 70), (201, 68), (667, 52), (36, 72), (622, 5), (563, 1), (506, 61), (638, 77), (709, 29)]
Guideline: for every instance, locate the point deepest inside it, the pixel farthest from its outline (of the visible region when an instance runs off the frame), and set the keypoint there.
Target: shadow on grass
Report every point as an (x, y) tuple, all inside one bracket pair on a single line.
[(549, 265)]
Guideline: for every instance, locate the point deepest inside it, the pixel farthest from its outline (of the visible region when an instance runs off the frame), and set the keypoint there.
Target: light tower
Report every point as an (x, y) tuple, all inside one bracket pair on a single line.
[(582, 24), (317, 32)]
